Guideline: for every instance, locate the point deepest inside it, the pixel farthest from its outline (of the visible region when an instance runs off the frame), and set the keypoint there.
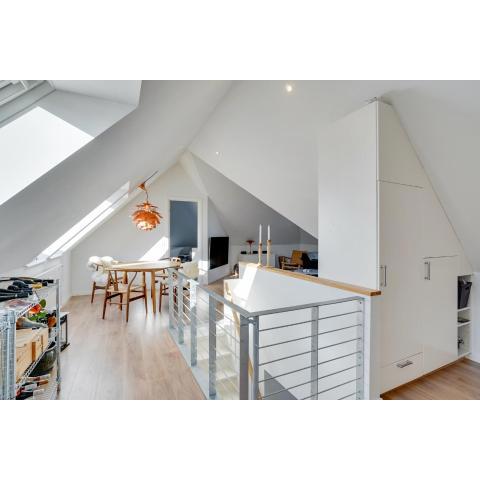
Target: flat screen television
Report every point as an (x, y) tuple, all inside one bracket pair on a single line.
[(218, 251)]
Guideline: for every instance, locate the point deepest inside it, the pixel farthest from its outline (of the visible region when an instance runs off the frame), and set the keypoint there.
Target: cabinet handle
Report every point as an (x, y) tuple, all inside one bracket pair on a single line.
[(404, 364), (383, 275), (427, 271)]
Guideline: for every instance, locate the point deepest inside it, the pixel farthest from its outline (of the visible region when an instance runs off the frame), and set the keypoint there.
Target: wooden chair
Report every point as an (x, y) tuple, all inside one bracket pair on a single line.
[(292, 263), (162, 278), (96, 285), (124, 288)]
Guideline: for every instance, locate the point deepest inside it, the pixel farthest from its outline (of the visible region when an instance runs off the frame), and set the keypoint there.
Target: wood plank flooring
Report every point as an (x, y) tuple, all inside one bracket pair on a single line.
[(459, 381), (110, 359)]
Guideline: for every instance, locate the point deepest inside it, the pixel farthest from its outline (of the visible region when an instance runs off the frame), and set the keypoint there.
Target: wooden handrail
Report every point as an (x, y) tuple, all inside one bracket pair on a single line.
[(318, 280)]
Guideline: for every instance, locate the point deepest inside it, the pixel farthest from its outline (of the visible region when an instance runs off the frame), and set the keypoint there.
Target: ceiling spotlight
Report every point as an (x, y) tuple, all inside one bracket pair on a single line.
[(289, 88), (217, 153)]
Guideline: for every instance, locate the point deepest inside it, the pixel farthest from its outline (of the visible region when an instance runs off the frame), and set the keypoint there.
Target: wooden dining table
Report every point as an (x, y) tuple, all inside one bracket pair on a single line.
[(145, 266)]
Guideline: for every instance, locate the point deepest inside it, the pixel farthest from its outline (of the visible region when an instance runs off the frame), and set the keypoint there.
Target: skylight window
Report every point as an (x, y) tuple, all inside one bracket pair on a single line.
[(84, 226), (33, 144), (11, 89)]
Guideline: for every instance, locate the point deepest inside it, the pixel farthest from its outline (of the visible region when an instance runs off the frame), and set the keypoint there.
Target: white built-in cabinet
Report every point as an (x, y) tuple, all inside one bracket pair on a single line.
[(419, 262), (439, 312), (410, 241), (400, 274)]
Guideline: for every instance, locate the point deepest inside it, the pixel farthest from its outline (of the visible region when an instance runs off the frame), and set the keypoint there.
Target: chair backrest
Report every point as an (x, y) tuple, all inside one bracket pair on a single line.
[(94, 263), (190, 269), (297, 257)]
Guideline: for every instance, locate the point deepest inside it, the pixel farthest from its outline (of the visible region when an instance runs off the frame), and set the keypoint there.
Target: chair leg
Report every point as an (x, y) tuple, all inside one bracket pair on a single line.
[(128, 307), (145, 295), (160, 295), (105, 304), (121, 302), (93, 292)]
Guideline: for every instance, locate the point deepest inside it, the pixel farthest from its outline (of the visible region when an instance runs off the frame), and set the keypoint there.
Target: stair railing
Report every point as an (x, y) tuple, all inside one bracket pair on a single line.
[(308, 352)]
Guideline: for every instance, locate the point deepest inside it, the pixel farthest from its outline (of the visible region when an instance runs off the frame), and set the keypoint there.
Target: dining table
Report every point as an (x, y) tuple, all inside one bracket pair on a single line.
[(146, 266)]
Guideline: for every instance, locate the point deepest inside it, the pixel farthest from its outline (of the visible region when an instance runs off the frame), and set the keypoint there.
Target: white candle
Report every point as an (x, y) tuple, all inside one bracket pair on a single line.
[(260, 235), (268, 232)]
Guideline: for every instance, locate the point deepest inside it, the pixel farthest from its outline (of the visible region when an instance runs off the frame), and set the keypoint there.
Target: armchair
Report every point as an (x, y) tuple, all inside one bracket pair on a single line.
[(292, 263)]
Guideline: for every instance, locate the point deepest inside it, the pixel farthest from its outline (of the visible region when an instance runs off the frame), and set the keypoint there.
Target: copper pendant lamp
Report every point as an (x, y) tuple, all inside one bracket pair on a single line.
[(146, 216)]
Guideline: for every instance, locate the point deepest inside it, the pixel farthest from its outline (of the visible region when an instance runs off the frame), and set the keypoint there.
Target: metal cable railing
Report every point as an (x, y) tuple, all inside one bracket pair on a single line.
[(307, 352)]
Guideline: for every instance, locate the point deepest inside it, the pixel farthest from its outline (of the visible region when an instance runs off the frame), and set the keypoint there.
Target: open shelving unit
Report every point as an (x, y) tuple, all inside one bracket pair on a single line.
[(464, 325), (10, 311)]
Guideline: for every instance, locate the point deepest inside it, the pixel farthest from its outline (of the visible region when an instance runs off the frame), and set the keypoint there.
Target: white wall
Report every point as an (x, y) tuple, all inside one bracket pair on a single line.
[(119, 238), (284, 250)]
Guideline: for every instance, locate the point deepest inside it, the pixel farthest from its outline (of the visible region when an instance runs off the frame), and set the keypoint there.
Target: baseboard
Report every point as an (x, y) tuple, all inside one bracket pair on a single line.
[(474, 357), (81, 294)]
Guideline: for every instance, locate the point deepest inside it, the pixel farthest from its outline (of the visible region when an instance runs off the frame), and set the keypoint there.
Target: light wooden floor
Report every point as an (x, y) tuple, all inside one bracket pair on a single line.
[(110, 359), (459, 381)]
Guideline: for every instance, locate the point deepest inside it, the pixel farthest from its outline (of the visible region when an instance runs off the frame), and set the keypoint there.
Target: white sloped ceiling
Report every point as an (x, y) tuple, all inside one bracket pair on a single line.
[(238, 211), (264, 139), (149, 139), (442, 120)]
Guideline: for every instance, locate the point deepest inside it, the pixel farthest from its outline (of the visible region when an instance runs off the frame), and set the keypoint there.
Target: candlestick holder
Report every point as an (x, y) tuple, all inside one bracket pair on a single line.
[(269, 247), (260, 253)]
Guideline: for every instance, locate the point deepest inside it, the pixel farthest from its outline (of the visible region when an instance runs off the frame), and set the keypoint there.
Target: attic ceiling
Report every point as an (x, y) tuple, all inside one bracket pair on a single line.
[(264, 138), (240, 212), (147, 140), (122, 91)]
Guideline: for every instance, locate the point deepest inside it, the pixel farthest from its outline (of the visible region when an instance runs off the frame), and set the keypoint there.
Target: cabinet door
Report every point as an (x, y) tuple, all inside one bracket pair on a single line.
[(397, 160), (439, 312), (400, 271), (439, 238)]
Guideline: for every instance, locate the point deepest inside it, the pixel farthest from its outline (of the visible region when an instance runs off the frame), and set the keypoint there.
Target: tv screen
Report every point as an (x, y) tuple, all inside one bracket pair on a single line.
[(218, 251)]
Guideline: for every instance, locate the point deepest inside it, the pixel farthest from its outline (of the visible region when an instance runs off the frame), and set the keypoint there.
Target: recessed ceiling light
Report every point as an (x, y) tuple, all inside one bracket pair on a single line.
[(217, 153), (289, 88)]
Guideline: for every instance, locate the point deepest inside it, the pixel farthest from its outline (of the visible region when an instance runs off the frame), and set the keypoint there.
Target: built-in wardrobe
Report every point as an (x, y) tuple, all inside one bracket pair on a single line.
[(382, 226)]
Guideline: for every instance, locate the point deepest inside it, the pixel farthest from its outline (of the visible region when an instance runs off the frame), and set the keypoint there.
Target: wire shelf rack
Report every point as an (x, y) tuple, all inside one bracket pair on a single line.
[(10, 312)]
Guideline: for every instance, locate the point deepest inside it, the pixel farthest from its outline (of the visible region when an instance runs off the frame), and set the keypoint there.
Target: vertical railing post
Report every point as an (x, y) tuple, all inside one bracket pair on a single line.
[(193, 322), (212, 348), (10, 356), (180, 309), (314, 354), (243, 358), (58, 332), (171, 298), (360, 349), (255, 393)]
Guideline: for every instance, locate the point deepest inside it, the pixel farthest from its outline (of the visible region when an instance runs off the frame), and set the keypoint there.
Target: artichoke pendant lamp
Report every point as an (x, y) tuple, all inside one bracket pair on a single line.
[(146, 216)]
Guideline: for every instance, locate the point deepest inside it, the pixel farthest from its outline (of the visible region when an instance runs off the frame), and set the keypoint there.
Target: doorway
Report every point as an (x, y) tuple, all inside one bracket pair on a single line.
[(183, 229)]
